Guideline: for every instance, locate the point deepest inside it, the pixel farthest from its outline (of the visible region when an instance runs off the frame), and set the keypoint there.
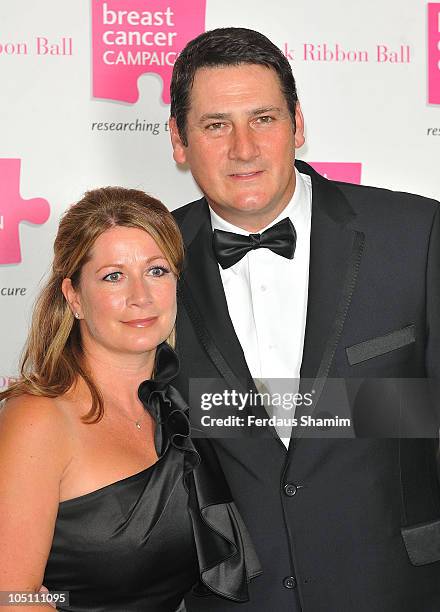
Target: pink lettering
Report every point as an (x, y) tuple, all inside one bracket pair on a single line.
[(129, 43), (288, 53), (11, 48), (332, 53)]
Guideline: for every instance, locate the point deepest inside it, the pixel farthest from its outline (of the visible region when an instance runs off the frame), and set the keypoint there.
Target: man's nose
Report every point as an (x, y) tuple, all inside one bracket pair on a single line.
[(243, 144)]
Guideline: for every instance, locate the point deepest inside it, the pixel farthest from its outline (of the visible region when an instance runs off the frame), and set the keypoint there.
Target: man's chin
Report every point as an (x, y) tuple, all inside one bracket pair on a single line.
[(250, 204)]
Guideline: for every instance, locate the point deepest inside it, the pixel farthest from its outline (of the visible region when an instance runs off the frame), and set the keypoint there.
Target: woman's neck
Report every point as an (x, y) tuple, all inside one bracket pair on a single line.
[(119, 375)]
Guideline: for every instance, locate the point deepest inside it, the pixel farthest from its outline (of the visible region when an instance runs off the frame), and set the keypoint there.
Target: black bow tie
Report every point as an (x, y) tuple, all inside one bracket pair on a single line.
[(229, 248)]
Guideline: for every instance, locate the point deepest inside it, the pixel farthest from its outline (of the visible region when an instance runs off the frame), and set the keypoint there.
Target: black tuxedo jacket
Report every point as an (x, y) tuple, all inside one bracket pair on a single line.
[(340, 525)]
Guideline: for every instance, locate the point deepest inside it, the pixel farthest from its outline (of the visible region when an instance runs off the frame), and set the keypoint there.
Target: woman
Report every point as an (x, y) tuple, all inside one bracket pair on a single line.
[(102, 492)]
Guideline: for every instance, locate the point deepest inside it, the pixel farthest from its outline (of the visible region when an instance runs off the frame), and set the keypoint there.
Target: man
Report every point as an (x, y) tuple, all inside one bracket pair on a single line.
[(352, 291)]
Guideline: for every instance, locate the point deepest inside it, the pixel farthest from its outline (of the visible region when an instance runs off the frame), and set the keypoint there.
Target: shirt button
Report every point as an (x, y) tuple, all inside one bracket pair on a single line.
[(290, 490), (263, 287), (289, 582)]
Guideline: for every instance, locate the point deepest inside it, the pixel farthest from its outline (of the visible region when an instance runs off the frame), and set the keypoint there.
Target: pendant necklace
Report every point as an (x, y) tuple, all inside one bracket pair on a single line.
[(138, 422)]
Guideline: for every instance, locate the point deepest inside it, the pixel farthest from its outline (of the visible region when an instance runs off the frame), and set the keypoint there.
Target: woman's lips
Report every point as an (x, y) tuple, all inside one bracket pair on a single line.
[(141, 322)]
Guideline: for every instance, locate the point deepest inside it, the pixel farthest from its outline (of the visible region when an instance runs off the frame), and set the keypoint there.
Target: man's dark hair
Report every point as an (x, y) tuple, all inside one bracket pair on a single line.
[(226, 47)]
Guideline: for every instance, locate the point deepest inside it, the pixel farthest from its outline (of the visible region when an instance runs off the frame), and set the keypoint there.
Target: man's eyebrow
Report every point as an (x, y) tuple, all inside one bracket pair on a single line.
[(252, 113), (217, 116), (265, 109)]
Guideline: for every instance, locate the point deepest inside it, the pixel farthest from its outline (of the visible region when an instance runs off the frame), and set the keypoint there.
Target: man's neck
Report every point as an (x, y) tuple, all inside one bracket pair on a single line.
[(253, 222), (248, 221)]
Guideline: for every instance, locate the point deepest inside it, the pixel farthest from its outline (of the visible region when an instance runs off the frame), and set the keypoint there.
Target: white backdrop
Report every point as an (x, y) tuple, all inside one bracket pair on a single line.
[(374, 102)]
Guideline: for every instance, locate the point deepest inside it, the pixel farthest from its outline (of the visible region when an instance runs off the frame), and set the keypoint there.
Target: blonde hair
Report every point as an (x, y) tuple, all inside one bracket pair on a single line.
[(53, 358)]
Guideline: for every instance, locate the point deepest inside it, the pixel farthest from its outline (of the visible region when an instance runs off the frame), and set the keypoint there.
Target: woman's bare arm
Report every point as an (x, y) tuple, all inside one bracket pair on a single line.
[(33, 456)]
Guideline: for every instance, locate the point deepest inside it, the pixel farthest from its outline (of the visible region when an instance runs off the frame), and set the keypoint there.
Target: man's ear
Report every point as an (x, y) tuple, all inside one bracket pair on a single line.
[(299, 125), (179, 149), (72, 297)]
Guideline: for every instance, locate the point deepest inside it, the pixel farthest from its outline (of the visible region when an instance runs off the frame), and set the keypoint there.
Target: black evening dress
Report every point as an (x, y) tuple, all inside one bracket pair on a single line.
[(141, 543)]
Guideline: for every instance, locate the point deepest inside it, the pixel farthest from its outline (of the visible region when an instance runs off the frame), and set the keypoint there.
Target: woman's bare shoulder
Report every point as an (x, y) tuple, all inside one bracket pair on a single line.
[(31, 410), (36, 424)]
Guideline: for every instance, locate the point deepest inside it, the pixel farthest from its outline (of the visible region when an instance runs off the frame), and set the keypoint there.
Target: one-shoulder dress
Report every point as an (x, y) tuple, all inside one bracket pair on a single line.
[(141, 543)]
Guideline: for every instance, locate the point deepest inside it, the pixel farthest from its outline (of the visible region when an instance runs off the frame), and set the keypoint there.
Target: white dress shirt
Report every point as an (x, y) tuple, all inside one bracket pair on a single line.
[(267, 301)]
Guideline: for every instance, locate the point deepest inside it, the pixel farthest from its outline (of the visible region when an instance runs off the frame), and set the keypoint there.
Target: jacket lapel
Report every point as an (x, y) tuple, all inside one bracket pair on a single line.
[(335, 255), (201, 292), (201, 284)]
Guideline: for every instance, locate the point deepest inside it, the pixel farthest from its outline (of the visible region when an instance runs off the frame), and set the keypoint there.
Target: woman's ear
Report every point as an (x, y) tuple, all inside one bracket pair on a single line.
[(72, 298)]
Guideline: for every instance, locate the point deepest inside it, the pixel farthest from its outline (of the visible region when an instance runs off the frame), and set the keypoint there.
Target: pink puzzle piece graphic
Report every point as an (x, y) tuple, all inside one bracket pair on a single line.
[(135, 37), (434, 53), (348, 172), (13, 210)]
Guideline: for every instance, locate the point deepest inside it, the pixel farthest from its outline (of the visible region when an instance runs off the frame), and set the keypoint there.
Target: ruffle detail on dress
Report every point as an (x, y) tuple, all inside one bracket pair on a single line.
[(168, 409), (226, 556)]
